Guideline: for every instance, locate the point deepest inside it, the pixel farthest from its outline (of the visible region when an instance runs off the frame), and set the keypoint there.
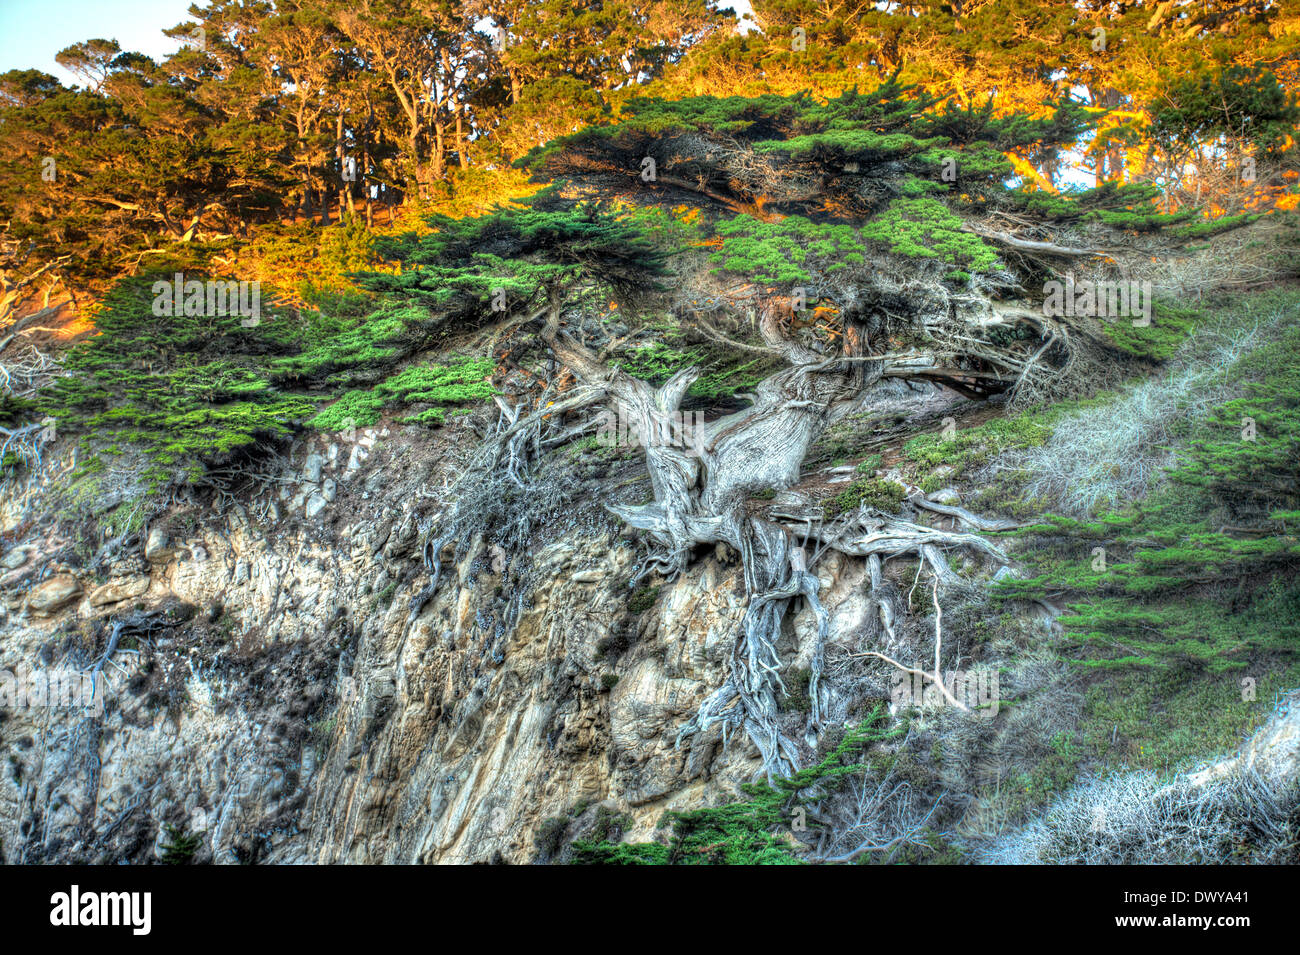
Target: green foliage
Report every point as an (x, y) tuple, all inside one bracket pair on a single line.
[(978, 125), (968, 448), (889, 106), (723, 373), (1158, 341), (1206, 228), (1202, 573), (798, 698), (523, 256), (354, 409), (748, 832), (850, 438), (134, 173), (1246, 104), (1133, 206), (657, 362), (925, 228), (188, 391), (881, 493), (1027, 791), (1165, 718), (650, 118), (787, 252), (937, 850), (875, 157), (347, 349), (549, 839), (616, 644), (184, 390), (180, 846), (851, 143), (643, 599), (460, 382), (608, 824), (313, 263), (322, 731), (1253, 474)]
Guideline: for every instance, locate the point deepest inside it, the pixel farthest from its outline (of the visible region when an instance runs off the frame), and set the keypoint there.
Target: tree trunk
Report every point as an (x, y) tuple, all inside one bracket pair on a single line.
[(345, 187), (699, 493)]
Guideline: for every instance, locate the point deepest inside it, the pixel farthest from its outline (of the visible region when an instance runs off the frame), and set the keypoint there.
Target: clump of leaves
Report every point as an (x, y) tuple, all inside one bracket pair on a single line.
[(789, 251), (180, 847), (185, 390), (549, 839), (924, 228), (1156, 341), (442, 386), (722, 373), (643, 599), (798, 698), (881, 493), (964, 449)]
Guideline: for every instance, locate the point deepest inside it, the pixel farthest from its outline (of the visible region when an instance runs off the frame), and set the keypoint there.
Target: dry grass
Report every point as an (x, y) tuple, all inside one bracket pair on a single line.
[(1260, 254), (1115, 451), (1133, 819)]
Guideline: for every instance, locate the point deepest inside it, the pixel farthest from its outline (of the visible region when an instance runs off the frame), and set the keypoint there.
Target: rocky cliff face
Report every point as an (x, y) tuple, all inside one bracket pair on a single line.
[(273, 681), (279, 702)]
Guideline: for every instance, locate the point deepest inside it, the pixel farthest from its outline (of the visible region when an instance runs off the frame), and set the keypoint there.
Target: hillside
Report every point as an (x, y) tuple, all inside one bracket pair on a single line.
[(788, 477)]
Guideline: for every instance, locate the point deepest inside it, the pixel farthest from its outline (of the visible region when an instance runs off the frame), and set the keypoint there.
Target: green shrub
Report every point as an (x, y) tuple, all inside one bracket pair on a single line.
[(965, 449), (458, 382), (925, 228), (787, 252), (1201, 573), (183, 390), (1158, 341), (180, 847), (722, 372), (549, 839), (643, 599), (880, 493), (798, 699), (754, 831)]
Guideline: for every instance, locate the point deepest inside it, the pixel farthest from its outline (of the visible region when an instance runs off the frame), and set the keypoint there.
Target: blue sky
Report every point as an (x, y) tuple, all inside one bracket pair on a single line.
[(33, 31)]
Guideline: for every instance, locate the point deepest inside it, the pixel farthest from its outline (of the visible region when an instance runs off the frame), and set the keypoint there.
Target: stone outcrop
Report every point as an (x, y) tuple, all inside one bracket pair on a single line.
[(291, 709), (54, 594), (301, 716)]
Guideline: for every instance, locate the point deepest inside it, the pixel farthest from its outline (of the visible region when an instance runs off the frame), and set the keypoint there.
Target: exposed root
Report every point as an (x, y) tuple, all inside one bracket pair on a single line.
[(697, 500), (499, 471), (937, 676), (142, 625), (867, 532), (963, 515), (699, 492), (748, 697)]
